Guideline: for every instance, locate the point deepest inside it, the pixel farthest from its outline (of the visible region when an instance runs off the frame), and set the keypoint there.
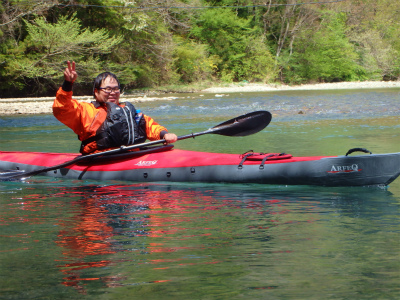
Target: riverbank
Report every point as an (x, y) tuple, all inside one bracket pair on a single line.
[(13, 106)]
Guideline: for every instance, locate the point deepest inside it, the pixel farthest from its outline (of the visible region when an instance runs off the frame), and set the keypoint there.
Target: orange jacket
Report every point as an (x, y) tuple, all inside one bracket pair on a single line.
[(84, 119)]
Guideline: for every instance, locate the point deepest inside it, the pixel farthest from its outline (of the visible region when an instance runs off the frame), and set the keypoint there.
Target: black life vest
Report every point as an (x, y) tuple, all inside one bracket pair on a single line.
[(121, 127)]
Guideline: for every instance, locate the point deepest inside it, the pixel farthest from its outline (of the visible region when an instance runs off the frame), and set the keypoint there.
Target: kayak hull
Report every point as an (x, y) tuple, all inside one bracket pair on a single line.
[(191, 166)]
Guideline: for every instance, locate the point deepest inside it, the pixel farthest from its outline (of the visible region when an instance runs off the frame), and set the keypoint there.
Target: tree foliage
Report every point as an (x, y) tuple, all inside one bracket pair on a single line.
[(152, 42), (244, 54), (192, 62), (325, 55), (47, 46)]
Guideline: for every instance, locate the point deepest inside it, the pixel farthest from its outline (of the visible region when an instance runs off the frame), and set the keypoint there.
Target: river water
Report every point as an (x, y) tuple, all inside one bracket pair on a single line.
[(63, 239)]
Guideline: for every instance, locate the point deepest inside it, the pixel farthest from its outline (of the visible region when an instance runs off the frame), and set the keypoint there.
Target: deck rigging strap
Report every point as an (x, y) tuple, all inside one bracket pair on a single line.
[(263, 157), (244, 157)]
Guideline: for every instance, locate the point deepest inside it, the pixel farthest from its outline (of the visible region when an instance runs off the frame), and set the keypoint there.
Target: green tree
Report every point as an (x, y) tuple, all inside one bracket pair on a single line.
[(42, 54), (236, 42), (154, 42), (192, 61), (374, 32), (145, 56), (325, 54)]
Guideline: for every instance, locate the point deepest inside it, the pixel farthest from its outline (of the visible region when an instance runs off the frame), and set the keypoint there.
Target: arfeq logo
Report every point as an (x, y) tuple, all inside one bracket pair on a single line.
[(146, 163), (344, 169)]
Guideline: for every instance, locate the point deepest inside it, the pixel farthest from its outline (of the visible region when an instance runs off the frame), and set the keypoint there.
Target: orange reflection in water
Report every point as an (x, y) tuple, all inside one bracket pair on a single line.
[(89, 232), (104, 217)]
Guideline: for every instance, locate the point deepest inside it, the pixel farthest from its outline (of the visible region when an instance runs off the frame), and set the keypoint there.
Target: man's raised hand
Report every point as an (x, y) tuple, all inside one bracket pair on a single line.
[(70, 73)]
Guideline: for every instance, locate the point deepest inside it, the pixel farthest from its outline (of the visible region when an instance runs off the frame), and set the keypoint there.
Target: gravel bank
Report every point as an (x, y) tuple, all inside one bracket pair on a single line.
[(12, 106), (252, 87)]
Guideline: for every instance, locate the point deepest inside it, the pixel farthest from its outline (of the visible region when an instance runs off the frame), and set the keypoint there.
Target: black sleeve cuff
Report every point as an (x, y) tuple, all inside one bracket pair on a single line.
[(162, 133), (67, 86)]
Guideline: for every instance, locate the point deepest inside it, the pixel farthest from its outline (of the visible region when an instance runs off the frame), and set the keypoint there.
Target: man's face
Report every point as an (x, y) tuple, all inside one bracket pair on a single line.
[(104, 95)]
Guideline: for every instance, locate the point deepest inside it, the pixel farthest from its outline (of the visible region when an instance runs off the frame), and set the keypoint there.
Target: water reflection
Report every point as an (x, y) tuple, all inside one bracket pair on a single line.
[(191, 241), (110, 219), (83, 235), (140, 235)]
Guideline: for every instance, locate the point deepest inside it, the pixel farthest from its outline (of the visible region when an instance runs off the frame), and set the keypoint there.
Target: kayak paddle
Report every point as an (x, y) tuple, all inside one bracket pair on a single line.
[(240, 126)]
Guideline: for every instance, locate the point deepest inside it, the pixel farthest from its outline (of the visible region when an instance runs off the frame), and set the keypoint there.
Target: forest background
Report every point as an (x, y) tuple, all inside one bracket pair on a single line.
[(174, 45)]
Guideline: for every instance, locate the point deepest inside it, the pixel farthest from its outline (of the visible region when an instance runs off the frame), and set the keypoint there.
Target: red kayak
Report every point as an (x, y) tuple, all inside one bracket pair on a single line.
[(164, 164)]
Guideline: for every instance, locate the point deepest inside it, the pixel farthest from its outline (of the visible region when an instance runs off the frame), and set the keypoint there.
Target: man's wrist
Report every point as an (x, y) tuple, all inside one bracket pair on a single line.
[(67, 86), (162, 133)]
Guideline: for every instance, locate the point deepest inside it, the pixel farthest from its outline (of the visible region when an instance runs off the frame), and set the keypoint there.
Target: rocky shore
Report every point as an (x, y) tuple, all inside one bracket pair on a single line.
[(12, 106)]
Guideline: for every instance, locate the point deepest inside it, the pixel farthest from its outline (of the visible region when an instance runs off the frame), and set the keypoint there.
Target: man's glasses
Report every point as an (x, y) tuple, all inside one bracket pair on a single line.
[(109, 90)]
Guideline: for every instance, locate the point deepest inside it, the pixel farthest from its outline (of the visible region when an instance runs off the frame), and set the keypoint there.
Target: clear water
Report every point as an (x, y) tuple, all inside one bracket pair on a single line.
[(63, 239)]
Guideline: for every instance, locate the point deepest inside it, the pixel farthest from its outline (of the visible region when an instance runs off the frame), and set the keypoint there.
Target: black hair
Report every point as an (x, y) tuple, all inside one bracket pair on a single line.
[(99, 79)]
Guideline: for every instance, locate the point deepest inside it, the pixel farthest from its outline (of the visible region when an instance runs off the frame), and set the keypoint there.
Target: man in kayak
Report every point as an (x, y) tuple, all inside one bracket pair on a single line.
[(105, 123)]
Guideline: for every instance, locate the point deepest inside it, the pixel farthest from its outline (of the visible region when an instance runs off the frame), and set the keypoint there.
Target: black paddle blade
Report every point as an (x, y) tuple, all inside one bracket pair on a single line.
[(244, 125)]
